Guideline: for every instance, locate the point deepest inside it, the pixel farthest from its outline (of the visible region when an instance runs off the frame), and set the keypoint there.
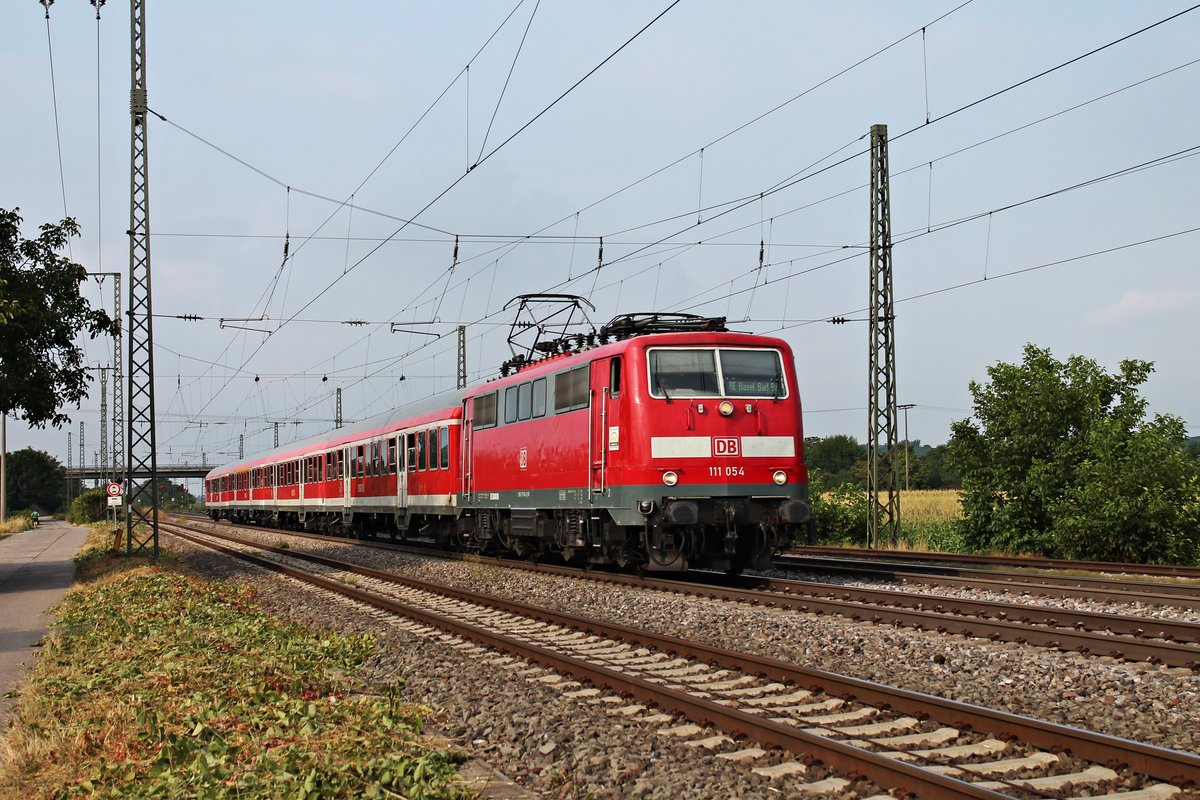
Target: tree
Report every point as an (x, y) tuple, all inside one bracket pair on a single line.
[(836, 457), (932, 470), (42, 314), (1063, 462), (35, 479)]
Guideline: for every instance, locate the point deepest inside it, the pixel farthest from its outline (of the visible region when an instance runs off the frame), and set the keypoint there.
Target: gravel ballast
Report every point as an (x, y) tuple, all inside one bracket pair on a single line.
[(567, 748)]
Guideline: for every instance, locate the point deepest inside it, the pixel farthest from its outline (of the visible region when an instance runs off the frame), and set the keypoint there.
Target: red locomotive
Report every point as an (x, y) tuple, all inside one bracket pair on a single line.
[(663, 442)]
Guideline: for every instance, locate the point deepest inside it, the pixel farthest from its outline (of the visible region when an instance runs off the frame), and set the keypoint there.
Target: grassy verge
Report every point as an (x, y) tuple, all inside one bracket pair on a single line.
[(14, 524), (159, 684)]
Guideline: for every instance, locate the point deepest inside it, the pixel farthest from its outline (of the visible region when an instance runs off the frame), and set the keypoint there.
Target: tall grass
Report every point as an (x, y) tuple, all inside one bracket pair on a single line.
[(15, 524), (929, 520)]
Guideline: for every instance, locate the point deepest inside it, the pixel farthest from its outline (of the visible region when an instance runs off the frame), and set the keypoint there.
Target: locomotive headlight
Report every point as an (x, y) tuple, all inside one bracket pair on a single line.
[(670, 478), (726, 408), (780, 477)]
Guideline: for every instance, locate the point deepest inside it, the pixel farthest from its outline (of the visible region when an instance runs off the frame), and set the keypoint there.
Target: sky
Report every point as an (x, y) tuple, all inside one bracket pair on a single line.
[(1040, 192)]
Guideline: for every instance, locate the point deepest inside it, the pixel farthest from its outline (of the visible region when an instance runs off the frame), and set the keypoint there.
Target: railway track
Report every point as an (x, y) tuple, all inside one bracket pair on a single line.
[(1135, 638), (893, 738), (1021, 562), (1151, 593)]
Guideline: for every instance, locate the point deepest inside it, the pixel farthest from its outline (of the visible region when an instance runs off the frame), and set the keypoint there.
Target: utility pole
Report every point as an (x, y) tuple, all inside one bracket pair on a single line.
[(70, 485), (82, 456), (905, 407), (141, 524), (337, 423), (4, 466), (883, 490), (276, 435), (462, 356), (241, 446)]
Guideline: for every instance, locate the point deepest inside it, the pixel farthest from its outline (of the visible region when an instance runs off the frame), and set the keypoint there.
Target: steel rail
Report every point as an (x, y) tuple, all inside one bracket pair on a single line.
[(1162, 763), (1133, 638), (1165, 594), (853, 761), (1112, 567), (1150, 627)]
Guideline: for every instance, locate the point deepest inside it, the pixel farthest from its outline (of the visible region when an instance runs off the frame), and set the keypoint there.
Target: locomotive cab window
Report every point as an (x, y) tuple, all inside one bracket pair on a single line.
[(725, 372), (614, 377), (752, 373)]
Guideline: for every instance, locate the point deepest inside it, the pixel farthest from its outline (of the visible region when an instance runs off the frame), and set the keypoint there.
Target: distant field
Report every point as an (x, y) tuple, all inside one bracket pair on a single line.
[(928, 520), (924, 504)]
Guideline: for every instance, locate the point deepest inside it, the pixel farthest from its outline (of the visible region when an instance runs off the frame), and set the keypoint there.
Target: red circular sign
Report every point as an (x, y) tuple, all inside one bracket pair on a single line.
[(114, 490)]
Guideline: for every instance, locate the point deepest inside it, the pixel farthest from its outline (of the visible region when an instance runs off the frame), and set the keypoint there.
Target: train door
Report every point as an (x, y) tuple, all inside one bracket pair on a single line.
[(396, 444), (466, 455), (605, 413)]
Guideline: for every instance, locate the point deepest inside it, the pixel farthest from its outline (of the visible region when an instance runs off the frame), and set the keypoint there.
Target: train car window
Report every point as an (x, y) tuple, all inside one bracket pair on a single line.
[(360, 461), (421, 450), (524, 401), (484, 410), (341, 464), (683, 373), (412, 452), (510, 404), (392, 466), (752, 373), (539, 398), (444, 446), (374, 467), (571, 389), (614, 377)]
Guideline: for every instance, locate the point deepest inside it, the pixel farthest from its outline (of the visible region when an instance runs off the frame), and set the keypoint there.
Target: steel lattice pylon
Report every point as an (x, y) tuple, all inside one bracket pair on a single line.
[(883, 488), (118, 432), (141, 524), (104, 423)]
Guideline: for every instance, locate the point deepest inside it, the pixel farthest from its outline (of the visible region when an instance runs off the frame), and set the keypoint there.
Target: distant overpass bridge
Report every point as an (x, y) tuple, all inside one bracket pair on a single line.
[(164, 471)]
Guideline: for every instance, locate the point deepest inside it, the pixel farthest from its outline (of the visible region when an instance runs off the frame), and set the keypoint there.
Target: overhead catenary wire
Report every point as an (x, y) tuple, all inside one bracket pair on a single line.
[(491, 153), (62, 177), (707, 242)]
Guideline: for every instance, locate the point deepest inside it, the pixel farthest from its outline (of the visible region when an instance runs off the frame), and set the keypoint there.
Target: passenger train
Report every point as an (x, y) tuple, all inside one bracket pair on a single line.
[(653, 447)]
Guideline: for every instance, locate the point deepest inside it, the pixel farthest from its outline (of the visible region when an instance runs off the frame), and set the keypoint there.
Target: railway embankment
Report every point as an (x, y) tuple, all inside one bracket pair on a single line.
[(156, 682)]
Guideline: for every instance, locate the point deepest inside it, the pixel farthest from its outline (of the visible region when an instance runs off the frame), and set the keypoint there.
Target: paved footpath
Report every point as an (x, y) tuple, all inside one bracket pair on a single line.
[(36, 569)]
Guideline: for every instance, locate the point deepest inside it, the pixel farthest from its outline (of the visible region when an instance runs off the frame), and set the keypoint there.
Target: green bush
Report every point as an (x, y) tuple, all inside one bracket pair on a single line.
[(90, 506), (840, 514)]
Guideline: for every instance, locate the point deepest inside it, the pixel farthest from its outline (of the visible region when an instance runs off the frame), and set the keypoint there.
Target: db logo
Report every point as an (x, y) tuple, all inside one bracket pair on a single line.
[(726, 446), (524, 458)]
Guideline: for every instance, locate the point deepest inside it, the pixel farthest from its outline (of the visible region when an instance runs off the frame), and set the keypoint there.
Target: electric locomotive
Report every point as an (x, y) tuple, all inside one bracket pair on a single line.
[(659, 443)]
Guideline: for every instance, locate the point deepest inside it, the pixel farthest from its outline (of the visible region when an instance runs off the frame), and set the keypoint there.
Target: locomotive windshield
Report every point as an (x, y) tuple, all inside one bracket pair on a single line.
[(723, 372)]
